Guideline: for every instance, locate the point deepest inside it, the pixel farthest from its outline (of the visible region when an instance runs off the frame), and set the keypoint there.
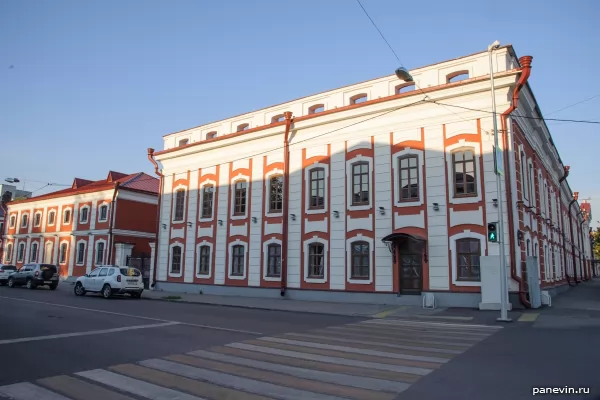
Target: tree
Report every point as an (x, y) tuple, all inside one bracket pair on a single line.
[(596, 243)]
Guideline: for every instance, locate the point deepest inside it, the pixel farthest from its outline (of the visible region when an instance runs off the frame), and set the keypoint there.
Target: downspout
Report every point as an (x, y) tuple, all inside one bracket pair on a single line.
[(562, 220), (113, 213), (286, 199), (582, 250), (525, 62), (160, 192), (575, 197)]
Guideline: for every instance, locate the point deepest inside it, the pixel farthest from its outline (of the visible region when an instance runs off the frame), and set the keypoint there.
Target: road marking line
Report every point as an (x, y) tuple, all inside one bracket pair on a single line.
[(234, 381), (333, 360), (218, 328), (384, 314), (87, 333), (80, 390), (528, 317), (29, 391), (442, 317), (433, 324), (135, 386)]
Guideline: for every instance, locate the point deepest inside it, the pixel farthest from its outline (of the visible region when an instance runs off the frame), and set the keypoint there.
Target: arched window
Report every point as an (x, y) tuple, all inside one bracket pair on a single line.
[(183, 142), (51, 217), (278, 118), (103, 213), (240, 198), (316, 258), (100, 253), (457, 76), (360, 260), (317, 108), (37, 219), (21, 252), (275, 193), (8, 256), (62, 257), (34, 252), (204, 260), (409, 178), (13, 221), (465, 182), (358, 98), (274, 260), (405, 87), (80, 253), (83, 218), (176, 260), (237, 260), (242, 127), (211, 135), (179, 205), (67, 217), (468, 251), (24, 220)]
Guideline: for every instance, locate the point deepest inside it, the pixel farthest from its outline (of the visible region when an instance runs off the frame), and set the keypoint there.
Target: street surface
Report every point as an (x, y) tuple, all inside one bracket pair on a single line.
[(54, 345)]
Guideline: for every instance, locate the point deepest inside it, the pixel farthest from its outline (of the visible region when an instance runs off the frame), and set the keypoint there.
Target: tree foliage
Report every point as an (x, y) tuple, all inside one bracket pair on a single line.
[(596, 243)]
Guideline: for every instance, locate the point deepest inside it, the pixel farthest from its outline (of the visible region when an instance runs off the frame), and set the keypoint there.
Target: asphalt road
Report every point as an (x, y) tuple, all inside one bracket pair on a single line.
[(162, 328)]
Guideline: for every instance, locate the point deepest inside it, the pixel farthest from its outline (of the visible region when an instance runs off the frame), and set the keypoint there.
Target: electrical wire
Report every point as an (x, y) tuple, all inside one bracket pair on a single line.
[(378, 30), (574, 104)]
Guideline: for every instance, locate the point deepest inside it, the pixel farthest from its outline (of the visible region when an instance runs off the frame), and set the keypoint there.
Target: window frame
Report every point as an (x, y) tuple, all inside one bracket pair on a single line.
[(37, 219), (53, 214), (364, 256), (105, 207), (237, 261), (203, 211), (24, 220), (62, 253), (278, 118), (360, 183), (199, 271), (270, 194), (179, 208), (357, 98), (274, 258), (470, 254), (313, 109), (311, 256), (464, 162), (211, 135), (67, 213), (79, 251), (409, 168), (13, 221), (183, 142), (98, 252), (172, 260), (235, 205), (87, 214), (524, 180), (398, 88), (242, 127), (322, 187), (8, 255), (33, 255), (456, 74)]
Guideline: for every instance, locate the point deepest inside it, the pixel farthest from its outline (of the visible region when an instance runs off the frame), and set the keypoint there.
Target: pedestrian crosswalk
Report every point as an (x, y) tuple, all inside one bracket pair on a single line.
[(375, 359)]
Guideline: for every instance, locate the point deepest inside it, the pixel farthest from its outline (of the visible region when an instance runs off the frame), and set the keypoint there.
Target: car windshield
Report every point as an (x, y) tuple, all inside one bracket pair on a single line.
[(130, 272), (48, 267), (8, 267)]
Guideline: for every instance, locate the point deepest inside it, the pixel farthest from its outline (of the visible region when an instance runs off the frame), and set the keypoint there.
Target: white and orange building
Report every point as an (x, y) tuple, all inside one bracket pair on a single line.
[(89, 224), (371, 191)]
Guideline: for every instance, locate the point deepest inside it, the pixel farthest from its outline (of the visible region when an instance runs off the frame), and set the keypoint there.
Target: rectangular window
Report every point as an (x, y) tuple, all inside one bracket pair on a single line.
[(84, 215), (360, 184), (21, 252), (204, 260), (13, 220), (360, 260), (80, 253), (531, 184), (276, 193), (37, 219), (67, 217), (24, 220), (317, 189), (63, 253), (409, 178), (34, 251), (465, 183), (176, 260), (100, 253), (8, 256), (240, 198), (51, 217), (468, 252), (524, 185), (237, 261), (179, 205), (316, 259), (103, 213), (274, 260), (207, 201)]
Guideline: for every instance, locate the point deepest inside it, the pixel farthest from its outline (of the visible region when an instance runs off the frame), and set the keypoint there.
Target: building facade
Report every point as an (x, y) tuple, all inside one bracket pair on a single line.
[(14, 193), (371, 192), (92, 223)]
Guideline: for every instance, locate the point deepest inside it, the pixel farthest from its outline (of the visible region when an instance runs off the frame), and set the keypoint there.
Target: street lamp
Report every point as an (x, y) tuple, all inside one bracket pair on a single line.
[(12, 180), (403, 74), (499, 172)]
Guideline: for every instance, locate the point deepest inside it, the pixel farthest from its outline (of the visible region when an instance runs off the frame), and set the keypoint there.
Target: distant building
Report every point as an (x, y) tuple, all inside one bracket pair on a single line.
[(14, 192), (90, 224)]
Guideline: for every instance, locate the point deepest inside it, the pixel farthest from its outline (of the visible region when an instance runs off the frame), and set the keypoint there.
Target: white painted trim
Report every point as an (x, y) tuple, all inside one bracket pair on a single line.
[(349, 186), (232, 181), (85, 242), (81, 221), (107, 204), (59, 201), (21, 259), (169, 265), (34, 218), (307, 172), (453, 239), (55, 218), (201, 196), (174, 205), (70, 209), (59, 253), (8, 254), (147, 198), (266, 259), (230, 259), (12, 221), (45, 253), (37, 252), (396, 176), (28, 222), (210, 259), (123, 232), (306, 244), (267, 180), (359, 238), (477, 154), (95, 256)]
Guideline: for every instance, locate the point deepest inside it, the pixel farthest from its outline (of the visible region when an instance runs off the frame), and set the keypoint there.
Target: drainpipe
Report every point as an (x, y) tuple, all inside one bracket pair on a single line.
[(562, 220), (575, 197), (525, 62), (160, 192), (582, 256), (113, 213), (286, 199)]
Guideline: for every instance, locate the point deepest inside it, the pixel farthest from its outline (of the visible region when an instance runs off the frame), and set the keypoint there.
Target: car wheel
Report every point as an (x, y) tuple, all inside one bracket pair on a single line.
[(79, 290), (30, 284), (11, 282), (53, 286), (106, 291)]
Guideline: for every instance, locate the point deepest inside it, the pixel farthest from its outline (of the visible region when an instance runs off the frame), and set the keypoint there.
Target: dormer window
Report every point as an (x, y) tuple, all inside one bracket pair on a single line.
[(183, 142), (457, 76), (242, 127), (405, 87), (317, 108), (358, 98), (211, 135), (278, 118)]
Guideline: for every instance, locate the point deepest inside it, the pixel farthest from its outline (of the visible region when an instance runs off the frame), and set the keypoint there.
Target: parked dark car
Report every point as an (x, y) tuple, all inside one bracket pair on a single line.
[(34, 275)]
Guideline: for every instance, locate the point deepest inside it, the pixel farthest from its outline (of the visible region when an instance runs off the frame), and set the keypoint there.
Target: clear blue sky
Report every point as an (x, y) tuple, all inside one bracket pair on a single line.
[(95, 83)]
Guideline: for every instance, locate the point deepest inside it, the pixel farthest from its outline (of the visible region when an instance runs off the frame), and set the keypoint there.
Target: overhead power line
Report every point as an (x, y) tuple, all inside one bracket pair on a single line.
[(378, 30), (574, 104)]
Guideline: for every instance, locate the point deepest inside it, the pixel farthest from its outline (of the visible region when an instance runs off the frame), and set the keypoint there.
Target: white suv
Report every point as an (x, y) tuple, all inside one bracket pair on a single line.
[(5, 271), (111, 279)]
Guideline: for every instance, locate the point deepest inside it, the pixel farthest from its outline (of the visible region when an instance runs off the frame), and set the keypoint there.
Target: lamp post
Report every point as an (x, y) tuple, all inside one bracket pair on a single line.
[(499, 172)]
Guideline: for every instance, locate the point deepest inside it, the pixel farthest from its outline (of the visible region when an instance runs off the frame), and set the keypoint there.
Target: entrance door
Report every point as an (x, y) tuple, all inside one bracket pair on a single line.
[(411, 281), (48, 254)]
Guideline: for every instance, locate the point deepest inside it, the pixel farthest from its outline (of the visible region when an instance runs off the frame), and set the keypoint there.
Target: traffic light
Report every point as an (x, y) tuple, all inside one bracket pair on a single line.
[(492, 231)]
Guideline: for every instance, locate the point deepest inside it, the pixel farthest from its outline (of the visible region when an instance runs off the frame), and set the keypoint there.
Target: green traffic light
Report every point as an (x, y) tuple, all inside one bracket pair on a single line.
[(492, 236)]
